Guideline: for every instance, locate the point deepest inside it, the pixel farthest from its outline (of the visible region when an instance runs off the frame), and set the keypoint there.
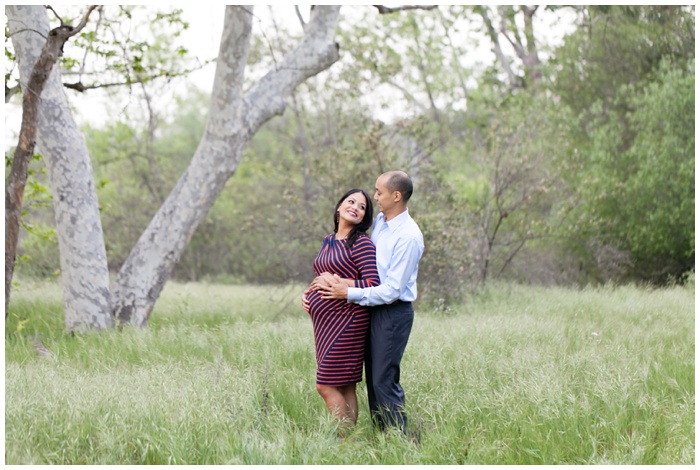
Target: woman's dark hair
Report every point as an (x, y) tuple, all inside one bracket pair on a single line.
[(363, 226)]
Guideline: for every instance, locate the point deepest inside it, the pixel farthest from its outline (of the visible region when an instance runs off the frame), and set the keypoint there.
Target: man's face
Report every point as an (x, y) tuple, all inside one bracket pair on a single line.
[(385, 198)]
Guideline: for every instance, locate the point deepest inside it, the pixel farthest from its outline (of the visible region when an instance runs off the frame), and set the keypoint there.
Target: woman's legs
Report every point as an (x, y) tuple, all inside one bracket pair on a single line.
[(341, 401), (350, 397)]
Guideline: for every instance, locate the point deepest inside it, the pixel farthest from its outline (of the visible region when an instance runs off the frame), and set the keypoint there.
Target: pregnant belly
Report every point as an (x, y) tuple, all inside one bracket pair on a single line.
[(318, 305)]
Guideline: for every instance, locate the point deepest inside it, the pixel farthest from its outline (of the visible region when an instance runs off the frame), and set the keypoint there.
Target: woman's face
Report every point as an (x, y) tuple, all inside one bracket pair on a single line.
[(353, 208)]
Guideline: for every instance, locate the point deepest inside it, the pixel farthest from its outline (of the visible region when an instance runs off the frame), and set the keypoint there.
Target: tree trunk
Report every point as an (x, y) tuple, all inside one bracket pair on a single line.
[(14, 192), (532, 61), (493, 35), (81, 244), (234, 119)]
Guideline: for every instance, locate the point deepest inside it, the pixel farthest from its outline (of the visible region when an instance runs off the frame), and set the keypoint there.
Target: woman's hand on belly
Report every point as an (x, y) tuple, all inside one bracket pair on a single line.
[(322, 280)]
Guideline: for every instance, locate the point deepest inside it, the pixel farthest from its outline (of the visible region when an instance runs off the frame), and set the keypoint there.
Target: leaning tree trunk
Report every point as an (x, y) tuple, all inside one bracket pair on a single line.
[(234, 118), (81, 244)]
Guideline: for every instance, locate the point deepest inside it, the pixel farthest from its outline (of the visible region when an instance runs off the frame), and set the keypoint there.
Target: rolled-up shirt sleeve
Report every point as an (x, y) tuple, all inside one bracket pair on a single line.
[(404, 259)]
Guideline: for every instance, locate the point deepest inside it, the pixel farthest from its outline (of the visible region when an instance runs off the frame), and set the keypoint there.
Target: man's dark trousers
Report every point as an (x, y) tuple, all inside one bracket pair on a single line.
[(389, 328)]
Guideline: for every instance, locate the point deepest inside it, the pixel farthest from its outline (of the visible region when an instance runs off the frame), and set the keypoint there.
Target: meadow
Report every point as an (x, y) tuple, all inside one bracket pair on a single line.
[(225, 375)]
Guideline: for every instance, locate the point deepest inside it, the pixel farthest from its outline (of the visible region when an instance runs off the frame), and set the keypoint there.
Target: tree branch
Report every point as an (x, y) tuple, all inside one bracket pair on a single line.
[(455, 58), (10, 92), (406, 93), (517, 43), (512, 79), (87, 49), (387, 10), (315, 53), (84, 21), (26, 29), (81, 87), (49, 7), (66, 31), (14, 190), (423, 71), (301, 18)]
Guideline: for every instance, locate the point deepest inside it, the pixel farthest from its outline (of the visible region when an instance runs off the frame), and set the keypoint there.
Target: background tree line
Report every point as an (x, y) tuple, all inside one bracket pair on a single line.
[(564, 165)]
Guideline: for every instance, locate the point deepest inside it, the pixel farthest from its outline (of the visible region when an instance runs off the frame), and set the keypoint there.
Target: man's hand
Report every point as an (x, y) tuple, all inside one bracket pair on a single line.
[(337, 288), (305, 301)]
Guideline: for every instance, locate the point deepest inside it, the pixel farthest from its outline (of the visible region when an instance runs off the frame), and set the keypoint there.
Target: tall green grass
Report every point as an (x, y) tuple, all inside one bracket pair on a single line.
[(225, 375)]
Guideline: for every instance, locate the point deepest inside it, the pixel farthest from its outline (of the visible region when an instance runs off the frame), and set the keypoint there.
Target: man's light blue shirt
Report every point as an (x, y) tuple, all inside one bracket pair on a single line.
[(400, 246)]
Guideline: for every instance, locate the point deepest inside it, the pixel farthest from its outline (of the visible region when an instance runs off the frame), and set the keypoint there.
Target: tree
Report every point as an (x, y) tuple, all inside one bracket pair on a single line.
[(525, 49), (615, 46), (83, 257), (235, 116), (640, 191), (14, 191), (627, 73)]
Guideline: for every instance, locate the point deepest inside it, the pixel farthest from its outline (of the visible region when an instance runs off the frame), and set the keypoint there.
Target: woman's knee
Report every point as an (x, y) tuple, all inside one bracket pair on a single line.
[(325, 390)]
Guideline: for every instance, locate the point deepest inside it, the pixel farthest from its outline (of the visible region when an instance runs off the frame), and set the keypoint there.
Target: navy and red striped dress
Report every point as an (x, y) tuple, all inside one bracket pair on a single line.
[(340, 328)]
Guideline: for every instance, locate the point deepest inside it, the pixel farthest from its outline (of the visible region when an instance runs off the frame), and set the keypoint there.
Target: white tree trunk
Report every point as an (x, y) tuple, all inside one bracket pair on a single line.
[(234, 118), (83, 256)]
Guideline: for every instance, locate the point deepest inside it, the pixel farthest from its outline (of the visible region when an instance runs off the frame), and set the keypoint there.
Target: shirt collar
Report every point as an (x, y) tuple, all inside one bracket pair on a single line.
[(397, 221)]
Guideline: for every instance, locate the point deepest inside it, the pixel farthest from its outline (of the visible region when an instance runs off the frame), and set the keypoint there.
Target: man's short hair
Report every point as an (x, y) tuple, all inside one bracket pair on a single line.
[(401, 182)]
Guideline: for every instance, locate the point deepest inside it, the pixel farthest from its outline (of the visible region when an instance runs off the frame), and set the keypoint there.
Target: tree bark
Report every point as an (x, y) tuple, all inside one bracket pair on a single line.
[(82, 252), (234, 118), (532, 62), (529, 57), (14, 192), (493, 35)]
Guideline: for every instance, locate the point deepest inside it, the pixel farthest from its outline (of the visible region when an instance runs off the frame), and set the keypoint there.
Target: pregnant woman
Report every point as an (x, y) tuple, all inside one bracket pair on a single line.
[(340, 328)]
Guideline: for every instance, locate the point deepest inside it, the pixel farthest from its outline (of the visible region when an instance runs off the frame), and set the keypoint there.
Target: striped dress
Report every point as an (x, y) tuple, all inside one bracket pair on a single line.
[(340, 328)]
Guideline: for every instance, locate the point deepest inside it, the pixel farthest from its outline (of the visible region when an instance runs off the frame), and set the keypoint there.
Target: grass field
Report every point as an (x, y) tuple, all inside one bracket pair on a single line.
[(225, 375)]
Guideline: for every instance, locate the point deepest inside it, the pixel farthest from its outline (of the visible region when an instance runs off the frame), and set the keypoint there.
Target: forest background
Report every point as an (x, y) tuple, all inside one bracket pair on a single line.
[(556, 164), (550, 146)]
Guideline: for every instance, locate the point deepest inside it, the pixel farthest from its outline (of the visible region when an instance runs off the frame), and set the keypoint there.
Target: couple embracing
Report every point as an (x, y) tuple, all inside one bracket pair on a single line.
[(360, 302)]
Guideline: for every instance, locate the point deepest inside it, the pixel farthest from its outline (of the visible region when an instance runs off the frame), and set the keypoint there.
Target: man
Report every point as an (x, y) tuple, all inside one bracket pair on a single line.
[(399, 244)]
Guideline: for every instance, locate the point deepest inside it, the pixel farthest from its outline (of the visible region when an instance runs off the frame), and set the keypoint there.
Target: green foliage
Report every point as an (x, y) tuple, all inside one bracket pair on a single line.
[(662, 183), (619, 45), (639, 181), (447, 268), (268, 222), (225, 375), (413, 53), (38, 256), (121, 45), (119, 49), (627, 73), (564, 185), (495, 189), (37, 253)]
